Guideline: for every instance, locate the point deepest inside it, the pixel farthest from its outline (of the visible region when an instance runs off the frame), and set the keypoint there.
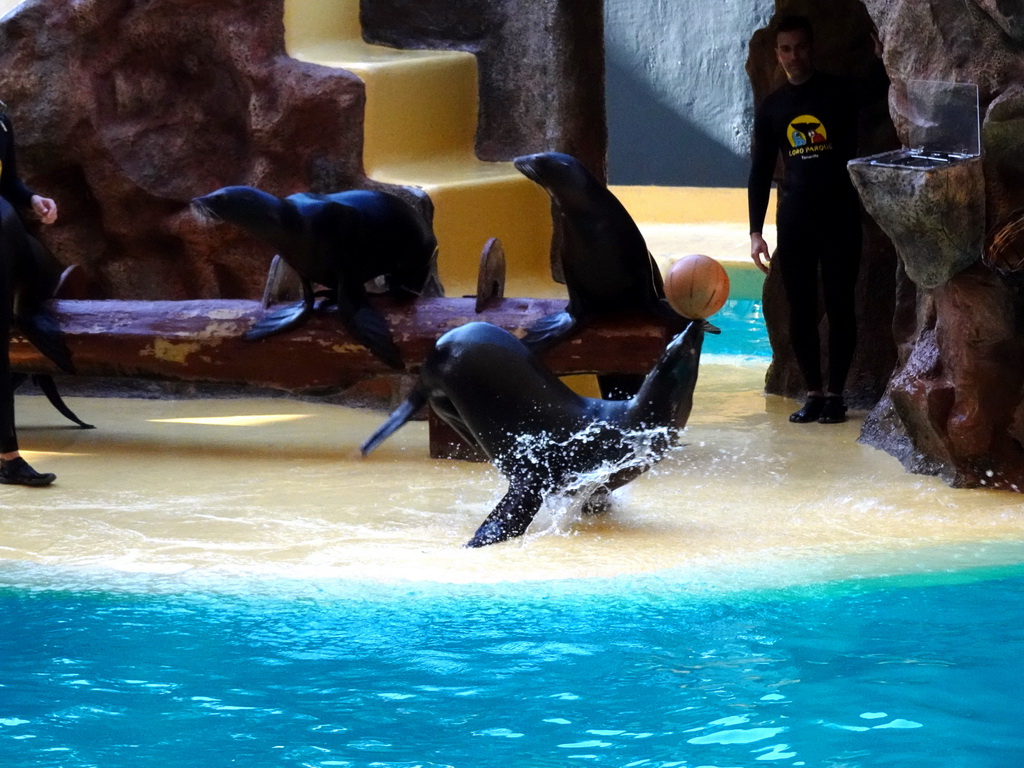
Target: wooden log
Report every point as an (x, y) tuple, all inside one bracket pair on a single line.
[(201, 341)]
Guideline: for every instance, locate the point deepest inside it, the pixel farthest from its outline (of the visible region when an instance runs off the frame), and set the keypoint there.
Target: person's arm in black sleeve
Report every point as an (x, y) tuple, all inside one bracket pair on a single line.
[(11, 185), (13, 189), (763, 155)]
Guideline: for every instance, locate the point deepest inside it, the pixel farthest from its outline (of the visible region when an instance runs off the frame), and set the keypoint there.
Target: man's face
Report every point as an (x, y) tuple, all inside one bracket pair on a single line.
[(793, 50)]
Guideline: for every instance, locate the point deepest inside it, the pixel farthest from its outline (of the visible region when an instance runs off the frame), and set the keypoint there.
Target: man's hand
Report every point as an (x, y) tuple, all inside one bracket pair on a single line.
[(759, 251), (45, 209)]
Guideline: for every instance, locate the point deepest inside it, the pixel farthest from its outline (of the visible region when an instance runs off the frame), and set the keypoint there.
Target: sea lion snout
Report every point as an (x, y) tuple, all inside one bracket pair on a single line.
[(238, 205), (525, 165), (546, 167), (203, 212)]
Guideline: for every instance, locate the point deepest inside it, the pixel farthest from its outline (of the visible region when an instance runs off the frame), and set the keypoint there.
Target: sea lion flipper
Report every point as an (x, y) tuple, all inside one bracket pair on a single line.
[(42, 330), (416, 399), (368, 325), (49, 388), (549, 330), (512, 516), (371, 329), (281, 319)]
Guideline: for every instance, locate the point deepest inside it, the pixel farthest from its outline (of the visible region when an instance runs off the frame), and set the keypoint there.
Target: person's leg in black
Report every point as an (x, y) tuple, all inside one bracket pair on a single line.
[(797, 258), (14, 470), (839, 269)]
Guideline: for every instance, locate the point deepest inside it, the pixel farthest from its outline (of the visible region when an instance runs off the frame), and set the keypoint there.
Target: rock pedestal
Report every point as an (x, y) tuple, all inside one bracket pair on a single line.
[(933, 211)]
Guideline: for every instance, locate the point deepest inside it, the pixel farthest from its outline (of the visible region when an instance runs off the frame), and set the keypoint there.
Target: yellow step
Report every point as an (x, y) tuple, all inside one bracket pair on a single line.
[(418, 103), (474, 202), (419, 130)]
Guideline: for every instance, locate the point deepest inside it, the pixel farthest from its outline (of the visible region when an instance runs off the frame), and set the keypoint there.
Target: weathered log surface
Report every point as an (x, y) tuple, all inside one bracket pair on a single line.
[(201, 341)]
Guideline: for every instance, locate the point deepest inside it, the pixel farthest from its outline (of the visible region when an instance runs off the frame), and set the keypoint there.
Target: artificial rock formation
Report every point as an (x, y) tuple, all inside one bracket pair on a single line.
[(954, 406), (127, 109)]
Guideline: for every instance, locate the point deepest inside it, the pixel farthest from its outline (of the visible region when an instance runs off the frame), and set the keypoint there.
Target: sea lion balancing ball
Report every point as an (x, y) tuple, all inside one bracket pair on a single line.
[(696, 286)]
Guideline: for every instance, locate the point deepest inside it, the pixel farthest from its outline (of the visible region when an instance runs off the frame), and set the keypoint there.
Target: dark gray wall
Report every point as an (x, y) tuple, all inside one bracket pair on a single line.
[(679, 102)]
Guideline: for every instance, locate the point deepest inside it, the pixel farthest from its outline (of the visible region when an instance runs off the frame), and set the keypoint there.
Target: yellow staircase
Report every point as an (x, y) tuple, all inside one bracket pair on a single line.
[(419, 130)]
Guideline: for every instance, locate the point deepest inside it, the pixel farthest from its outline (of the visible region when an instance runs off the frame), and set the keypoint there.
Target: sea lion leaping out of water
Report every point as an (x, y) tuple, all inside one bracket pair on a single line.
[(489, 387), (340, 241)]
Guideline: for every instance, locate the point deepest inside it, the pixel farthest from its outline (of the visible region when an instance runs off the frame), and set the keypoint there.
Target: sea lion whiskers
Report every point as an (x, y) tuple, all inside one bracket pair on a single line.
[(205, 215), (563, 177)]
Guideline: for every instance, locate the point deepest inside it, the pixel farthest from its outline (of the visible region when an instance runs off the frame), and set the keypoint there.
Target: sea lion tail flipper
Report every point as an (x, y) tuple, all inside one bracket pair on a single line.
[(511, 517), (279, 320), (43, 332), (49, 388), (549, 330), (432, 287), (416, 400), (372, 330), (369, 328)]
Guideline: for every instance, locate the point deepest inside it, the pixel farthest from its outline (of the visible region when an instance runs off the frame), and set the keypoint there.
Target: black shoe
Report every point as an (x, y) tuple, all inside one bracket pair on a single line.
[(834, 411), (18, 472), (810, 412)]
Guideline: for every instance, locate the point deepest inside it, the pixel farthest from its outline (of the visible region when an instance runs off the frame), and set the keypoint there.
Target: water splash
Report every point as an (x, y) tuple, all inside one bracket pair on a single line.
[(589, 491)]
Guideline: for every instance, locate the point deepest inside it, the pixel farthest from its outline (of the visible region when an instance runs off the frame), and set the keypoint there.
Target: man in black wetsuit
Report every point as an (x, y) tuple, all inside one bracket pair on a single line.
[(812, 121), (14, 470)]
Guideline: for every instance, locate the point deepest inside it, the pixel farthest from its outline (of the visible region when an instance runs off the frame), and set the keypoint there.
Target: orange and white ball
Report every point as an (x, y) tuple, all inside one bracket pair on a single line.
[(696, 286)]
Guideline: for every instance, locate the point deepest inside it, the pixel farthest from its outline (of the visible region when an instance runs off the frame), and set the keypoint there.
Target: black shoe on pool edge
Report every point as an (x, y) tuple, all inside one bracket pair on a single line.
[(810, 412), (18, 472), (834, 411)]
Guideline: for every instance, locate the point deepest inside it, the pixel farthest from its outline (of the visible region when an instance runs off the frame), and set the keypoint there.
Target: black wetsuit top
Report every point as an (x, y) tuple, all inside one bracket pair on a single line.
[(814, 126), (12, 188)]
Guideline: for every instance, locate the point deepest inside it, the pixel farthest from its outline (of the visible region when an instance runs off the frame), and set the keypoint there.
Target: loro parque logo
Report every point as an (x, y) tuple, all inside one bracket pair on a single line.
[(806, 130)]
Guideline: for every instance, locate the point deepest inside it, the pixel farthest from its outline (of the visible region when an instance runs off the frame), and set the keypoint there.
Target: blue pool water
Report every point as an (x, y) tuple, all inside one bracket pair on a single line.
[(743, 331), (910, 672)]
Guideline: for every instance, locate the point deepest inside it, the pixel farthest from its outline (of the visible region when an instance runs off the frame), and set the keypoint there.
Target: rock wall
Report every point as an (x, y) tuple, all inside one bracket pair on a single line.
[(843, 45), (954, 406), (126, 109)]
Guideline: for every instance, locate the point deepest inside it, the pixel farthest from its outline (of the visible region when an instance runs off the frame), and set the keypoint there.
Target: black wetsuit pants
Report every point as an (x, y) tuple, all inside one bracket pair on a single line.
[(8, 437), (820, 233), (12, 235)]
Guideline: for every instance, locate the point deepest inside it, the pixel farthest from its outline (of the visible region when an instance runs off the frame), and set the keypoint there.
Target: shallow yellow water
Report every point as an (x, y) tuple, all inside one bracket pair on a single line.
[(276, 487)]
